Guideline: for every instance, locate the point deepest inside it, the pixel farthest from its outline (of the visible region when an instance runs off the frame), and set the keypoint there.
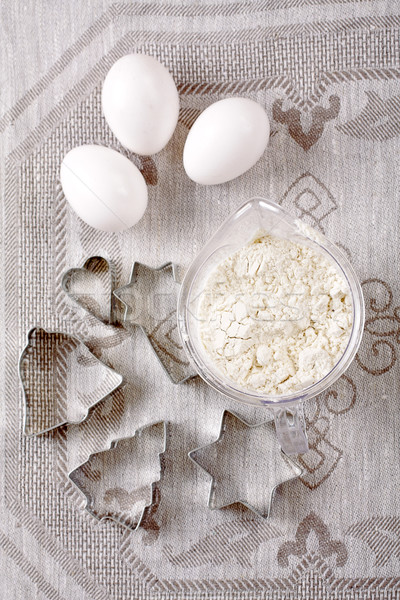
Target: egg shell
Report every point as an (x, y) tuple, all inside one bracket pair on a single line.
[(104, 188), (226, 140), (140, 103)]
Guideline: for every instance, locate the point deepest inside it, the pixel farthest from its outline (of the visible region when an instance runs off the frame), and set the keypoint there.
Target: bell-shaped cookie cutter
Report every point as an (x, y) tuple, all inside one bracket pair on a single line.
[(57, 372), (118, 488)]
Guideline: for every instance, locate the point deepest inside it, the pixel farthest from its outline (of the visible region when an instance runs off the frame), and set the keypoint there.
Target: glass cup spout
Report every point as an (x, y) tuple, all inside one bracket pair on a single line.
[(263, 216)]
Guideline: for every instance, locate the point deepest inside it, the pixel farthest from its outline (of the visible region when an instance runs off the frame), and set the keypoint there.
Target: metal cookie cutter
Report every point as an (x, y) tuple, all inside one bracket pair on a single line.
[(61, 380), (150, 300), (92, 286), (246, 465), (121, 482)]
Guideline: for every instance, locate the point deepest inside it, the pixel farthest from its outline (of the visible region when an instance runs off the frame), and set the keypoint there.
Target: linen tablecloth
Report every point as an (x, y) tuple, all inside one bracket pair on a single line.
[(328, 74)]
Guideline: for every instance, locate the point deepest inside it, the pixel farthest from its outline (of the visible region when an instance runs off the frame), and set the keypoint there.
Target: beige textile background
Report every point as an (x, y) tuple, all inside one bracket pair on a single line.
[(328, 74)]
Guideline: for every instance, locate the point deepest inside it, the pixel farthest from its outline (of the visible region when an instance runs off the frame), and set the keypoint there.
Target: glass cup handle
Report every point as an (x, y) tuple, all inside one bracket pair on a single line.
[(290, 429)]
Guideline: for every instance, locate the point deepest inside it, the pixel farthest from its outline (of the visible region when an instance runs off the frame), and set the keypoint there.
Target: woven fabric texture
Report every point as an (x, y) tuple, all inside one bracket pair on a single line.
[(328, 74)]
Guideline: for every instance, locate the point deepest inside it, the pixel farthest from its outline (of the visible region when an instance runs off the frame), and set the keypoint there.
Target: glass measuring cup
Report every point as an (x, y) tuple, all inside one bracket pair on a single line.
[(239, 229)]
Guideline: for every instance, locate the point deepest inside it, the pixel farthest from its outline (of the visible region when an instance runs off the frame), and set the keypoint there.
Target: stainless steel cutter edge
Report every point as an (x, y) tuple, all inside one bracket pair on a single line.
[(113, 443), (112, 271), (21, 379), (294, 464), (175, 276)]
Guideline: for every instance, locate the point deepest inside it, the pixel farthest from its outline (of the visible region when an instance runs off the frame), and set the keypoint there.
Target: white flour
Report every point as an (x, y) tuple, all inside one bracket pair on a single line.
[(275, 316)]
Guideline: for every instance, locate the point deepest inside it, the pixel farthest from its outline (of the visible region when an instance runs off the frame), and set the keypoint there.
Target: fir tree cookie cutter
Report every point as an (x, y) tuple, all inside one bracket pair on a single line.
[(121, 483), (91, 287), (61, 380), (246, 465), (150, 300)]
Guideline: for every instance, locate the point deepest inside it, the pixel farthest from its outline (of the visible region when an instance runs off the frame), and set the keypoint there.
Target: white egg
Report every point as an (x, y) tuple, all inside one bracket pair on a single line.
[(226, 140), (104, 188), (140, 103)]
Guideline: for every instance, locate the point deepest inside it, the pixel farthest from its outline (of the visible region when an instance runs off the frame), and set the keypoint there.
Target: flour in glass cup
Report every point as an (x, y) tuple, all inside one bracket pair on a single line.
[(275, 316)]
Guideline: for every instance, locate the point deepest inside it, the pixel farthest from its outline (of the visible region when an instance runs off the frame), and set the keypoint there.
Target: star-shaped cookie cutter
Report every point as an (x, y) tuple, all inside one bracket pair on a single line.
[(45, 368), (150, 300), (100, 499), (231, 452)]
